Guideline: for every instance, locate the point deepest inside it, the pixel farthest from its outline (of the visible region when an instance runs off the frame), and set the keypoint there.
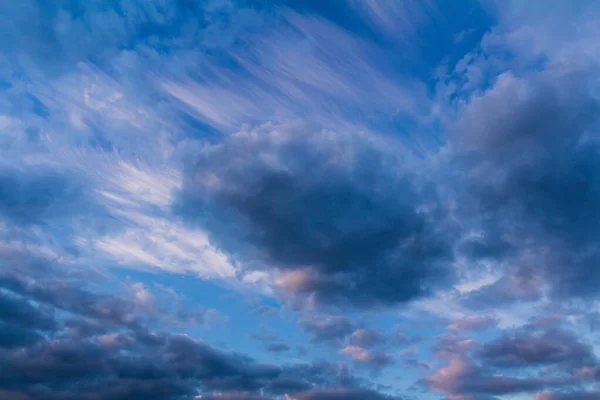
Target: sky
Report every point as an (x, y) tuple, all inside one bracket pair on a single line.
[(299, 200)]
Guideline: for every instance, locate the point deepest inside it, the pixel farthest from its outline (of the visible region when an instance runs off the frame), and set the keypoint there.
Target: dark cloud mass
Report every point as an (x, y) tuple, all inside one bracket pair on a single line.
[(340, 217)]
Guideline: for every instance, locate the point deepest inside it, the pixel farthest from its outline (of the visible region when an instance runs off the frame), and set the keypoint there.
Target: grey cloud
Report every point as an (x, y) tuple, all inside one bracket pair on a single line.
[(529, 349), (278, 347), (271, 343), (327, 328), (372, 359), (528, 149), (344, 394), (20, 311), (450, 345), (235, 396), (473, 323), (14, 336), (367, 338), (567, 395), (526, 360), (339, 216), (461, 376)]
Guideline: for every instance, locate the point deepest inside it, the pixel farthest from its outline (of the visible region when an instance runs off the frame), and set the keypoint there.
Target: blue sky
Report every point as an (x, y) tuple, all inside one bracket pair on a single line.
[(299, 200)]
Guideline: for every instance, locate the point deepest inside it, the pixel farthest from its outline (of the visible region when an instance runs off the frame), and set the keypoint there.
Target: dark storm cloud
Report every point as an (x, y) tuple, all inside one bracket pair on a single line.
[(337, 214)]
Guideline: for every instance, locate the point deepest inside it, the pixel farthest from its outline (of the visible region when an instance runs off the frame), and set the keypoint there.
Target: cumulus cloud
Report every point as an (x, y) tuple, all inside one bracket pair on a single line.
[(541, 204), (340, 218)]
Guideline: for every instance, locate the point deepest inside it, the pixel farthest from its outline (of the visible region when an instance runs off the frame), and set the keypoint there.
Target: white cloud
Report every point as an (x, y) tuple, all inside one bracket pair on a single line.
[(151, 236)]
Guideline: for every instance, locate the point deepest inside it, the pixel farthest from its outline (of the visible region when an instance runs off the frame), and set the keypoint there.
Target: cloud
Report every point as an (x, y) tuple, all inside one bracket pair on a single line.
[(18, 311), (345, 394), (485, 177), (271, 342), (327, 328), (277, 79), (527, 360), (369, 358), (540, 204), (529, 349), (450, 345), (75, 34), (566, 395), (462, 377), (339, 217), (60, 338), (278, 347), (473, 323), (367, 338), (150, 236), (513, 288)]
